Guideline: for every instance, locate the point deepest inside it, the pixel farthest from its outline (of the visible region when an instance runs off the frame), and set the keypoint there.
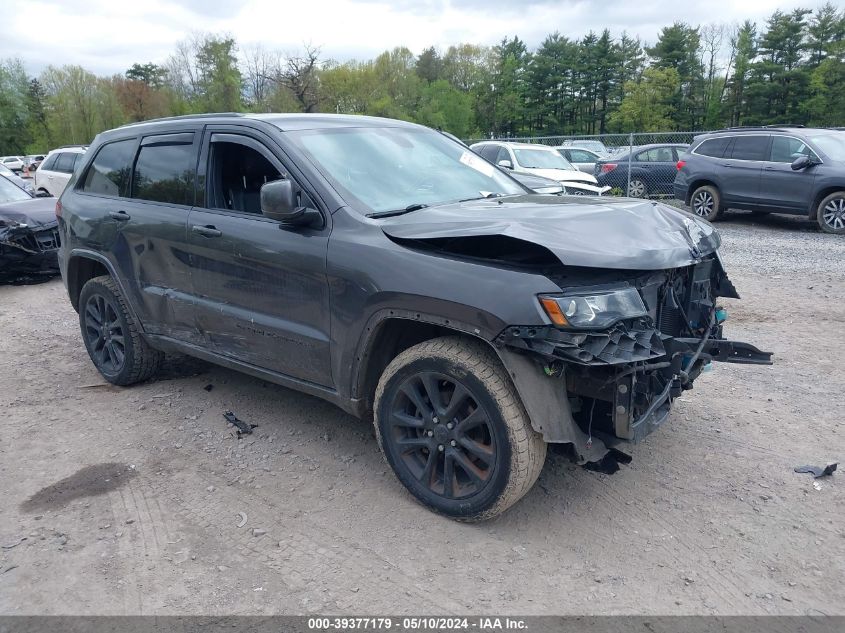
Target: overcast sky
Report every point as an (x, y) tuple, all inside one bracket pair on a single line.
[(108, 36)]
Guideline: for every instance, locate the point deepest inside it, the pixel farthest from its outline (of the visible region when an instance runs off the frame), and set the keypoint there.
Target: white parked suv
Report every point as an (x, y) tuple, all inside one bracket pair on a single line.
[(15, 163), (540, 160), (55, 171)]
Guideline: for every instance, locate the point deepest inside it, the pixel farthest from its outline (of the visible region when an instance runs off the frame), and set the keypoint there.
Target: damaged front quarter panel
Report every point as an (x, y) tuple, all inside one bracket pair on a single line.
[(593, 388)]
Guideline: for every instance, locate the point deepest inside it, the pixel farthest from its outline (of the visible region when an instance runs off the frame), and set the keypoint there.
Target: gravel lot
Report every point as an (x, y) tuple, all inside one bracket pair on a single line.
[(127, 501)]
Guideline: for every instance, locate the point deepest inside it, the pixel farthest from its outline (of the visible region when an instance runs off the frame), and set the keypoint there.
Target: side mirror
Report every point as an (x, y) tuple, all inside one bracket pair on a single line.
[(505, 163), (280, 202), (802, 162)]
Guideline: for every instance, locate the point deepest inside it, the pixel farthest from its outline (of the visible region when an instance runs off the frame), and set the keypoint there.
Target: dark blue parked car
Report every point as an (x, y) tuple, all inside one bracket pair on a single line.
[(652, 170)]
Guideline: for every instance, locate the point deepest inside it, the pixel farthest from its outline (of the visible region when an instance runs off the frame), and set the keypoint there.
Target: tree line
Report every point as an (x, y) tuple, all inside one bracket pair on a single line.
[(791, 69)]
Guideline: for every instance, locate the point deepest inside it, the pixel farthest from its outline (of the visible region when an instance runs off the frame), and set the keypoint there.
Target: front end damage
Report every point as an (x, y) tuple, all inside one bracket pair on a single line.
[(595, 388), (29, 237)]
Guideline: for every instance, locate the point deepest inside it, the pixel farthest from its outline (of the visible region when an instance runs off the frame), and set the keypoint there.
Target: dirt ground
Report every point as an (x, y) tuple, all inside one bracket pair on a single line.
[(128, 501)]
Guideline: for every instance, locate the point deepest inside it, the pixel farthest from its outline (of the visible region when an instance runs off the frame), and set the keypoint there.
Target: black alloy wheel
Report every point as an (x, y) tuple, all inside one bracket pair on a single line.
[(452, 427), (104, 332), (112, 335), (444, 437)]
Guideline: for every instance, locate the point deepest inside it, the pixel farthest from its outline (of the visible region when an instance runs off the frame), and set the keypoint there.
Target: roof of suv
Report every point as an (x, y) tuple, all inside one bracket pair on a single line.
[(285, 122), (761, 128)]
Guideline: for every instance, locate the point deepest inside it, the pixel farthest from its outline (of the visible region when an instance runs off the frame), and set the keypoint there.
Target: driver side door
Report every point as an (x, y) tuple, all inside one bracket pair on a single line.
[(260, 287)]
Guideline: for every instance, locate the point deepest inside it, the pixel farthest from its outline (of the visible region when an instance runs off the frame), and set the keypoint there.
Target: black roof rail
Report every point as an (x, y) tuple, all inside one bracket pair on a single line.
[(736, 128), (70, 146), (182, 117)]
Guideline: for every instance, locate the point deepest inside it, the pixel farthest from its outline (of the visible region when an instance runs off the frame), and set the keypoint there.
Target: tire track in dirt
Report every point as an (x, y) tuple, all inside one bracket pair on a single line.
[(310, 557)]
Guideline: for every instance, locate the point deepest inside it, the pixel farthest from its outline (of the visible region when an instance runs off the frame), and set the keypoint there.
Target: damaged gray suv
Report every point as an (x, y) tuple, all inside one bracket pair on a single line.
[(386, 268)]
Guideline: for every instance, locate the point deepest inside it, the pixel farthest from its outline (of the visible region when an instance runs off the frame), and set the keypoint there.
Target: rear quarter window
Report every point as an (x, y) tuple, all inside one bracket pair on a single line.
[(714, 147), (64, 162), (165, 173), (108, 175)]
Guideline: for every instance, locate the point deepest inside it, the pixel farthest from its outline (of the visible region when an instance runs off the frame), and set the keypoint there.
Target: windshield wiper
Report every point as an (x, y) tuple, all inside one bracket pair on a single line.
[(484, 196), (386, 214)]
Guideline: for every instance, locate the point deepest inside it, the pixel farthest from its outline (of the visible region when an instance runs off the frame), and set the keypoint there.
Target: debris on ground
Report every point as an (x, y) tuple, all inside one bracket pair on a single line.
[(816, 471), (208, 387), (10, 546), (242, 522), (243, 427), (258, 532), (609, 464)]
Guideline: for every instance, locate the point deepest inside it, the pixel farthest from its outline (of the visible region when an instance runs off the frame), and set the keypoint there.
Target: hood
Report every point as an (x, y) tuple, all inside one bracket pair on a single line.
[(36, 213), (617, 233), (563, 175)]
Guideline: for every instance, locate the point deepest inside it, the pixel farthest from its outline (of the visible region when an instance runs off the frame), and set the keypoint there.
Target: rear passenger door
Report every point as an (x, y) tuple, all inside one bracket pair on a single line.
[(658, 166), (741, 169), (780, 186), (260, 287), (150, 249)]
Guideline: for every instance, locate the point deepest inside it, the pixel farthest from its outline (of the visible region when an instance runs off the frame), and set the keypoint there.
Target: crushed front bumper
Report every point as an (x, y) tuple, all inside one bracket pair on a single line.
[(618, 384)]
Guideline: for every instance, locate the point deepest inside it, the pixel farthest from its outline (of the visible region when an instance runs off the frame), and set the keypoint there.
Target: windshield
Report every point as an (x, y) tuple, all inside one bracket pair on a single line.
[(395, 169), (541, 159), (10, 192), (831, 144)]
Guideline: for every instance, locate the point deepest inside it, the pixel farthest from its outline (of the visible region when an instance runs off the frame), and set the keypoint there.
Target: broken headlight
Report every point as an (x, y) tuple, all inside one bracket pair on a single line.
[(593, 310)]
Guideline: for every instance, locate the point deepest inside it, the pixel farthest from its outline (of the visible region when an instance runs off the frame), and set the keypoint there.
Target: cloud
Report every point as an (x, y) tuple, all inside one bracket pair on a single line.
[(107, 36)]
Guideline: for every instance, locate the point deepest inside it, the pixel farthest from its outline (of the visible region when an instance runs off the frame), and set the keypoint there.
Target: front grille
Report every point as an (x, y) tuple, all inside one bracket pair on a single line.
[(39, 241)]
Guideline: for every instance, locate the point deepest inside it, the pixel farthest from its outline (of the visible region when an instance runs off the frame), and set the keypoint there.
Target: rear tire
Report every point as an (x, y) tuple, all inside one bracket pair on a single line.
[(637, 188), (706, 203), (453, 429), (111, 335), (831, 213)]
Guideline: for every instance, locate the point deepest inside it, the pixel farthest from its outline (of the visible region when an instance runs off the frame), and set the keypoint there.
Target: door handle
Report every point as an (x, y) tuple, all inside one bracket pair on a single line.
[(119, 215), (206, 231)]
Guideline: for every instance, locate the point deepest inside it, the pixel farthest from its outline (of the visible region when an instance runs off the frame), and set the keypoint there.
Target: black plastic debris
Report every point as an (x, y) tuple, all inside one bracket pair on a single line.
[(243, 427), (208, 387), (609, 464), (816, 471)]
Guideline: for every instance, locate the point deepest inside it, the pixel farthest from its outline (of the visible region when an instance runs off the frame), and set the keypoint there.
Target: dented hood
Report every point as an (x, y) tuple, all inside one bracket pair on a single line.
[(36, 213), (620, 233)]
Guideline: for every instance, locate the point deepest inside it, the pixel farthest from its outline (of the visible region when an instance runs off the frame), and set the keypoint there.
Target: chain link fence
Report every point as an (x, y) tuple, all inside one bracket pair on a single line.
[(639, 165)]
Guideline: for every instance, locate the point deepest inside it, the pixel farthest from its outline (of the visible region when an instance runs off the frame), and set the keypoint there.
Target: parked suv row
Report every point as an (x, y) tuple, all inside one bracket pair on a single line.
[(791, 170)]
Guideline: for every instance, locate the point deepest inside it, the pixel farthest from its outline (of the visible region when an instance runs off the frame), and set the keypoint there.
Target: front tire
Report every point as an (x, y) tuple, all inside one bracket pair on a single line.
[(705, 202), (111, 334), (453, 429), (831, 213)]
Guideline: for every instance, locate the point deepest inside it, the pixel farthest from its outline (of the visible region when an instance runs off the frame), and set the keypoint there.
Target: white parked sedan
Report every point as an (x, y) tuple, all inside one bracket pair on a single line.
[(540, 160), (15, 163)]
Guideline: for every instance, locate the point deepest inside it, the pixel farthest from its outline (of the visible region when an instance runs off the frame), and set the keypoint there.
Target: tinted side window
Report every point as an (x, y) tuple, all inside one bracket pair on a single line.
[(578, 156), (165, 173), (50, 163), (64, 163), (488, 152), (750, 148), (503, 155), (786, 149), (714, 147), (108, 175)]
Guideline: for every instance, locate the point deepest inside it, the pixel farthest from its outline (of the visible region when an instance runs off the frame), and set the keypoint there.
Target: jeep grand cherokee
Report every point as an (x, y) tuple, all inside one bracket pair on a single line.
[(386, 268)]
